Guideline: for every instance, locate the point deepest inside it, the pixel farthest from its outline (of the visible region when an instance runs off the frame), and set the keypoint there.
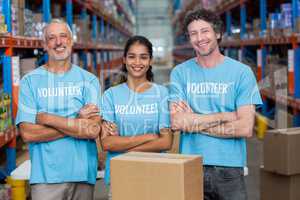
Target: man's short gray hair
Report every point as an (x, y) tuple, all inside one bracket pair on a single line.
[(56, 21)]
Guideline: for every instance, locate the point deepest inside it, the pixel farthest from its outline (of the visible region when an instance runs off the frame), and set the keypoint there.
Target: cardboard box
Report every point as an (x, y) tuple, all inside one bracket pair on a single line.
[(18, 3), (281, 151), (155, 176), (283, 118), (298, 25), (84, 31), (27, 65), (279, 187), (21, 21), (37, 17)]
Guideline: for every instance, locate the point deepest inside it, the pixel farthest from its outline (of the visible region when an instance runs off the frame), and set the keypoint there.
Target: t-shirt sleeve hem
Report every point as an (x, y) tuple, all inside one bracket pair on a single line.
[(256, 104), (27, 119)]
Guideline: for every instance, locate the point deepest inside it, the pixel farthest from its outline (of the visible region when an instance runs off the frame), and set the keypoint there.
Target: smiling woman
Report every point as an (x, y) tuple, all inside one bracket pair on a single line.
[(137, 59), (135, 112)]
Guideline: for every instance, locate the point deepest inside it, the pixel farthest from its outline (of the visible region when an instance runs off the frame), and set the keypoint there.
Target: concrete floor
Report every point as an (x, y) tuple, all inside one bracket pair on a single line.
[(100, 191), (254, 148), (255, 160)]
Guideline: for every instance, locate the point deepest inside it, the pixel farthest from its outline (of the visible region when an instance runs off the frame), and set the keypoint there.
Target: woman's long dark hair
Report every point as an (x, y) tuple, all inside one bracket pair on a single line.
[(143, 41)]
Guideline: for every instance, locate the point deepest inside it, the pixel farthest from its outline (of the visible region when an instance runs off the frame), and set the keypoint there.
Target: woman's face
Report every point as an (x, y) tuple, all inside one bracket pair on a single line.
[(137, 61)]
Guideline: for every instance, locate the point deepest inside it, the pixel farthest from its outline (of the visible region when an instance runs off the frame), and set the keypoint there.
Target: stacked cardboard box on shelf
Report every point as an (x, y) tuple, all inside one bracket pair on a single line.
[(56, 9), (33, 24), (128, 9), (277, 73), (211, 4), (281, 147), (280, 176), (5, 192), (274, 24), (83, 30), (5, 112), (256, 27), (38, 25), (27, 65), (110, 8), (24, 21), (279, 24), (3, 27), (15, 20), (279, 187), (286, 18), (283, 118), (279, 88), (17, 17)]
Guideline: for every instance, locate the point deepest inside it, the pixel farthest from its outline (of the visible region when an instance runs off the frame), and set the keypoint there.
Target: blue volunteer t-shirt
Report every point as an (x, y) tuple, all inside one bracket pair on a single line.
[(223, 88), (67, 159), (135, 113)]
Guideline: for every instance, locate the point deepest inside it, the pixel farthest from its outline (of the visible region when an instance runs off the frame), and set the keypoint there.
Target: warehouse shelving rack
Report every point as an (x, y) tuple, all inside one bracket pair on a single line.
[(122, 10), (104, 56), (225, 9)]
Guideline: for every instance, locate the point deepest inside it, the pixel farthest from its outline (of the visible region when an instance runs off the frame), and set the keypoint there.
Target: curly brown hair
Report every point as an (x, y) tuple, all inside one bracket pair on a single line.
[(205, 15)]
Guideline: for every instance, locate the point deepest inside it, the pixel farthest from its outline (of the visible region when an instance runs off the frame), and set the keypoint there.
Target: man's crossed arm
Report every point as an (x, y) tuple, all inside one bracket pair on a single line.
[(49, 127), (224, 124)]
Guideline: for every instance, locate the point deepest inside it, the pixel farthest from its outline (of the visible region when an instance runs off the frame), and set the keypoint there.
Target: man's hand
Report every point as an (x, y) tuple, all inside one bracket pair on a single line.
[(88, 111), (109, 129), (180, 111), (75, 127), (185, 119), (229, 116), (181, 106), (41, 118)]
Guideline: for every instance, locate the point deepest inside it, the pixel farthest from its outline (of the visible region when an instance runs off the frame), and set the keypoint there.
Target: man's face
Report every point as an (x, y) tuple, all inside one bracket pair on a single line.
[(203, 38), (58, 42)]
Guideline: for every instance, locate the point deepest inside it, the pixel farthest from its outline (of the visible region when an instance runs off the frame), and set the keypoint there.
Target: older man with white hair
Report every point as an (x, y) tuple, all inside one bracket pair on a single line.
[(59, 116)]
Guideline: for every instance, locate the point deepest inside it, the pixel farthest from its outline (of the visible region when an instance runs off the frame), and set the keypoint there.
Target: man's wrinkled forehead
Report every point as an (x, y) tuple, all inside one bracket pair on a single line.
[(199, 24), (56, 28)]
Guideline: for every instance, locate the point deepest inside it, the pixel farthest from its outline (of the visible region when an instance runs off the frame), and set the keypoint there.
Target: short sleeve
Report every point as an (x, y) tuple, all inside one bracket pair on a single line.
[(247, 90), (164, 114), (176, 87), (108, 110), (27, 106), (93, 93)]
